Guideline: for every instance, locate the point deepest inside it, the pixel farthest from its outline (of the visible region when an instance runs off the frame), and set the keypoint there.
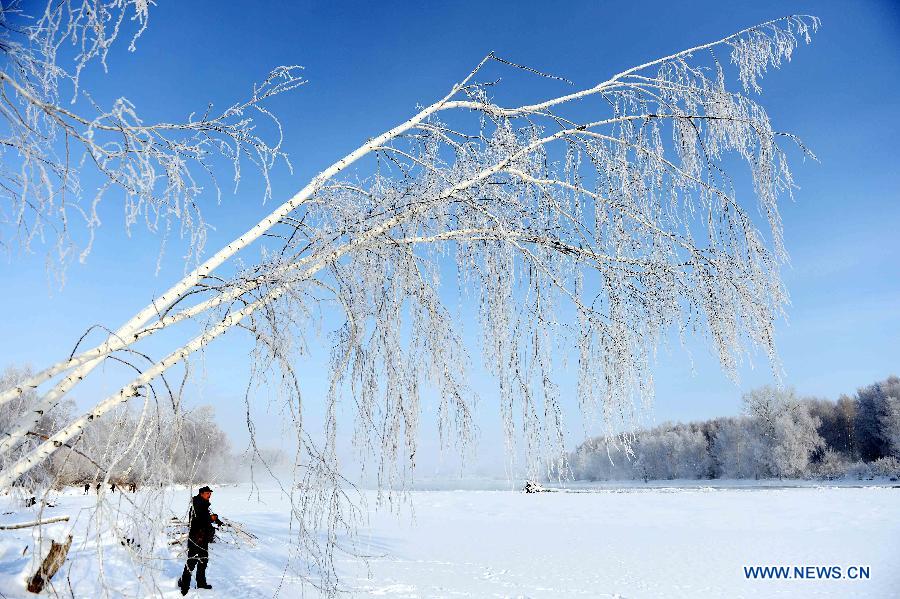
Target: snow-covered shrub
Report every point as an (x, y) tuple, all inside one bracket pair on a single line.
[(888, 467), (833, 465), (860, 471)]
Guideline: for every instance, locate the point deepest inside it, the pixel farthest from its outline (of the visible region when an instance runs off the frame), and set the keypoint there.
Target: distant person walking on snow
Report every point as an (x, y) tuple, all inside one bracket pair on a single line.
[(199, 536)]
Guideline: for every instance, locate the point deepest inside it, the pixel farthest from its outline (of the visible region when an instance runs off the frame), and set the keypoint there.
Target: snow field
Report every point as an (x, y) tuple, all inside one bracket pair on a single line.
[(636, 542)]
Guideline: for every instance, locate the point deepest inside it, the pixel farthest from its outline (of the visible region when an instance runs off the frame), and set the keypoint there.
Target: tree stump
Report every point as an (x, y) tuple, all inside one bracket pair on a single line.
[(50, 565)]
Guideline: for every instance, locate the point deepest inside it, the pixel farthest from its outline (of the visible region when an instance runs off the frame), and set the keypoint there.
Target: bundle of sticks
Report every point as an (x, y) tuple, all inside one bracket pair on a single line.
[(228, 533)]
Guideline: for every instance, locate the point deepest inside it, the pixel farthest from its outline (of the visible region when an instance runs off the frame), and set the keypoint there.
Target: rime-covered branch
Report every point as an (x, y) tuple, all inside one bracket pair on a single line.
[(160, 169), (596, 228)]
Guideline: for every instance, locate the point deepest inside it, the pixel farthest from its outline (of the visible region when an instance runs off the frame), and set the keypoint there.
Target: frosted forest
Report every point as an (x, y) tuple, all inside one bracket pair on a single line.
[(778, 436), (431, 301)]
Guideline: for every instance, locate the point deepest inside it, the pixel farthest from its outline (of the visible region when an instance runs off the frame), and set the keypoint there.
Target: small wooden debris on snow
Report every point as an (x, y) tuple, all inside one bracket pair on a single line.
[(50, 565), (533, 487)]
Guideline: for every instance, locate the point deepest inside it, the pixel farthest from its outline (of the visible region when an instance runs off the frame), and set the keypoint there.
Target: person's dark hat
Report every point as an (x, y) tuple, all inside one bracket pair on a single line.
[(205, 490)]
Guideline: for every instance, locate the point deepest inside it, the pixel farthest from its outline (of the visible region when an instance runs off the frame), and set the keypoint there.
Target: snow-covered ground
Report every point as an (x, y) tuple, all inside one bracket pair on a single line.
[(650, 541)]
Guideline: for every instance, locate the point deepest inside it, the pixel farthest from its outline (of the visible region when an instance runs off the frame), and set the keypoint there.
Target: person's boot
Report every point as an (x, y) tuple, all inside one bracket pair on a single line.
[(201, 576), (184, 583)]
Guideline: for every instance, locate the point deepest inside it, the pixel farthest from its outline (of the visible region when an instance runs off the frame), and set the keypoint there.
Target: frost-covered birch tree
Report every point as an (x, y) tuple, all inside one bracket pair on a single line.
[(594, 222), (786, 431)]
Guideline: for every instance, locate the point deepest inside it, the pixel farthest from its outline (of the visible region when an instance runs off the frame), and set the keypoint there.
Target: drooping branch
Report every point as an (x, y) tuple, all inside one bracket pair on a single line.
[(47, 147)]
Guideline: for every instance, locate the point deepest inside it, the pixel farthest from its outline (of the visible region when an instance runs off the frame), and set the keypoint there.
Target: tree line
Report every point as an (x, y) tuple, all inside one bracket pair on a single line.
[(162, 444), (778, 435)]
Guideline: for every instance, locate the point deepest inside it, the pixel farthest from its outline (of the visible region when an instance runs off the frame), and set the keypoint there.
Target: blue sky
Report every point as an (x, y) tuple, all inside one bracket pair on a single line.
[(370, 64)]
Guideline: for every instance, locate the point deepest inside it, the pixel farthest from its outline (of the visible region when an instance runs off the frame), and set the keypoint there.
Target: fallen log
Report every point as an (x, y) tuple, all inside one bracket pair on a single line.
[(50, 565), (35, 523)]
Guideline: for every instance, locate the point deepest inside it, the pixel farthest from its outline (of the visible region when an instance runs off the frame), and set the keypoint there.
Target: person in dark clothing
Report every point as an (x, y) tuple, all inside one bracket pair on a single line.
[(199, 537)]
